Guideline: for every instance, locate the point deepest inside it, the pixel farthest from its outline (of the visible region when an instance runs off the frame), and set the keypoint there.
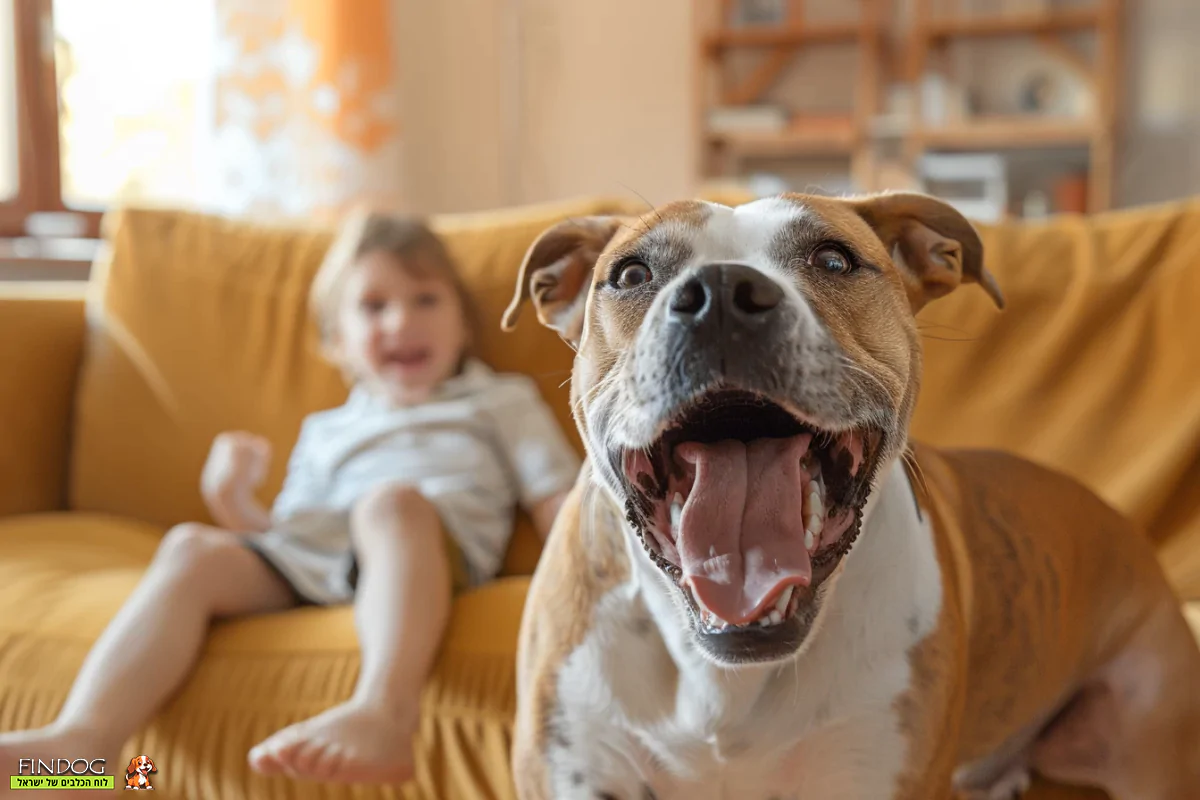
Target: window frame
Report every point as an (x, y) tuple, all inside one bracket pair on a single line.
[(39, 176)]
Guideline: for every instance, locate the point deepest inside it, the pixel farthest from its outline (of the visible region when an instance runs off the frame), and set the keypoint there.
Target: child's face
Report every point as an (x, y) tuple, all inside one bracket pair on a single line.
[(398, 332)]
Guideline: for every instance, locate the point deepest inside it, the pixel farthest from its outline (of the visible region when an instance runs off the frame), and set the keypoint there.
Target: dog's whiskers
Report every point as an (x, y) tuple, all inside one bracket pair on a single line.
[(855, 368), (911, 460)]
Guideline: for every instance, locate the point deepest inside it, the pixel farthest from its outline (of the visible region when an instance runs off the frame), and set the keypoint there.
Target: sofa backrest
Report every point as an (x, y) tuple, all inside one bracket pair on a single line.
[(1093, 368), (198, 324)]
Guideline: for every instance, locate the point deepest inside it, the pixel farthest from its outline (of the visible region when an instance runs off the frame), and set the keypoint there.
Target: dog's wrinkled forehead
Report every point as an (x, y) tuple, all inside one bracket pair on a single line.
[(761, 233), (890, 254)]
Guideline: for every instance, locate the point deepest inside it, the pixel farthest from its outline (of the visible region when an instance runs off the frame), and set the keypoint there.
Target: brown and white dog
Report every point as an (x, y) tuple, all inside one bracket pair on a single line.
[(760, 588), (138, 772)]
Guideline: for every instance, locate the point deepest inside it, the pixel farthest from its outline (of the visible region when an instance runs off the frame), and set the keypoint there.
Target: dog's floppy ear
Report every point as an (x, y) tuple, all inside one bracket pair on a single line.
[(556, 274), (933, 245), (131, 767)]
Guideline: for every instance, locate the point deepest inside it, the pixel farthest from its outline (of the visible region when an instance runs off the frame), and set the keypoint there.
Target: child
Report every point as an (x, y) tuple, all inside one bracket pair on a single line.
[(391, 501)]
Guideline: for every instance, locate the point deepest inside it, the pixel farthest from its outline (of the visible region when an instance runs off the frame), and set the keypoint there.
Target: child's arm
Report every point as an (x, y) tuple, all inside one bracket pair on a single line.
[(236, 466), (544, 512), (544, 462)]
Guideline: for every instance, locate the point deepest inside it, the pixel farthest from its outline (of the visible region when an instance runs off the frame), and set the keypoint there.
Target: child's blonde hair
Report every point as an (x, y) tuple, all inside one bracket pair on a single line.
[(408, 239)]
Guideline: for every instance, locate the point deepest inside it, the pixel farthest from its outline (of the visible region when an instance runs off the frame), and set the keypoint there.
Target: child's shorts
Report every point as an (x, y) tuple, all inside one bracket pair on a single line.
[(313, 554)]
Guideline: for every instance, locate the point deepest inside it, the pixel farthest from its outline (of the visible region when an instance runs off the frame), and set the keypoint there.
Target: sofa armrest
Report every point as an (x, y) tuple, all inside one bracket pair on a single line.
[(41, 344)]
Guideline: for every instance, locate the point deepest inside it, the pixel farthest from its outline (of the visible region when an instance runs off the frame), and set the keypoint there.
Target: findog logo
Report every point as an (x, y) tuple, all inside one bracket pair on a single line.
[(61, 773)]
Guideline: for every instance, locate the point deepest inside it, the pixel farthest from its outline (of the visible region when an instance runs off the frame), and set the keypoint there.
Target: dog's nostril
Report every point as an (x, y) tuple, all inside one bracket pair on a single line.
[(756, 296), (689, 298)]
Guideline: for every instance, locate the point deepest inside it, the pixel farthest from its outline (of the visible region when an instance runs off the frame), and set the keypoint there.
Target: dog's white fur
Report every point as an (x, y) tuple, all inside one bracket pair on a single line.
[(656, 713)]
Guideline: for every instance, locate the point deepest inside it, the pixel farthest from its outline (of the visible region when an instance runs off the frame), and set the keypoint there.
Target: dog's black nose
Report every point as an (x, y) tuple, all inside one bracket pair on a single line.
[(733, 290)]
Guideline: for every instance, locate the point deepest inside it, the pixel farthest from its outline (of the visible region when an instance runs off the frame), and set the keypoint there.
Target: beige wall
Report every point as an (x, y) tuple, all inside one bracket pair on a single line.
[(1159, 157), (451, 85), (606, 98), (515, 101)]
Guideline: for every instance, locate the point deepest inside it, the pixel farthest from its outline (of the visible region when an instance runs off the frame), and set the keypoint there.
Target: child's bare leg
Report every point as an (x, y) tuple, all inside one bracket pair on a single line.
[(401, 609), (148, 649)]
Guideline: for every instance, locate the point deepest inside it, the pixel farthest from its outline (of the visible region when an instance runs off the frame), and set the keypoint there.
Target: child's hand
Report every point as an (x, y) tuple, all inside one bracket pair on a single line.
[(236, 466)]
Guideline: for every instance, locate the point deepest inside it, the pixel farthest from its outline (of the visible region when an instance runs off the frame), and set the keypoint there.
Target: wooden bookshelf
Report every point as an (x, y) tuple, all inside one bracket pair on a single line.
[(931, 34), (723, 154), (1006, 133), (1013, 24), (774, 36), (856, 136), (806, 136)]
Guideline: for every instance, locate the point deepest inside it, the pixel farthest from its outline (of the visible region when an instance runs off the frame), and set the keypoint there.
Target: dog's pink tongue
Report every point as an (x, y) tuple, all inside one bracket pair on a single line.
[(741, 535)]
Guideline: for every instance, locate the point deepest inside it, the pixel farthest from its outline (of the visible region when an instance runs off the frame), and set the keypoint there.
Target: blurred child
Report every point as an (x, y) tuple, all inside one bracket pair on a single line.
[(391, 501)]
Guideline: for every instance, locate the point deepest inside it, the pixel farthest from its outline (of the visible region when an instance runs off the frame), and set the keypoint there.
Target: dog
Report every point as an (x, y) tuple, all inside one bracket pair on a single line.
[(137, 774), (760, 588)]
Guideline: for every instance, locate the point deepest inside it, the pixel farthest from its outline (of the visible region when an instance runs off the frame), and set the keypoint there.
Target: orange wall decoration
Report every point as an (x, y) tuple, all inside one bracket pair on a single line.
[(306, 109)]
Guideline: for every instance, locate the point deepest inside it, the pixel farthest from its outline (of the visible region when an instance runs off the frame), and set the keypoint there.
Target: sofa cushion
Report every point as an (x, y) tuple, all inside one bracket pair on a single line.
[(198, 324), (1092, 368), (63, 576), (41, 346)]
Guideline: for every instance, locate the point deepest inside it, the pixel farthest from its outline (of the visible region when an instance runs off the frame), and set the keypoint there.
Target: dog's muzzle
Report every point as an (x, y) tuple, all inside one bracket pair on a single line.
[(747, 472), (718, 324)]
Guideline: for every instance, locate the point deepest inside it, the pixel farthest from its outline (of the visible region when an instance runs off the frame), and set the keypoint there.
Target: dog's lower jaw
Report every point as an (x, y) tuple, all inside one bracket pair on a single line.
[(805, 624), (680, 626)]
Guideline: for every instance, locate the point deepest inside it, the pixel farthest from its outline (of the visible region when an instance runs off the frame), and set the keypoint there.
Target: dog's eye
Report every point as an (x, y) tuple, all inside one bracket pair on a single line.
[(832, 259), (633, 273)]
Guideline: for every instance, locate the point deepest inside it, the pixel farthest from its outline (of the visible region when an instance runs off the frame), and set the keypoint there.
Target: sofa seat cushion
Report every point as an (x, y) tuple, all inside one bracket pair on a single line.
[(63, 577)]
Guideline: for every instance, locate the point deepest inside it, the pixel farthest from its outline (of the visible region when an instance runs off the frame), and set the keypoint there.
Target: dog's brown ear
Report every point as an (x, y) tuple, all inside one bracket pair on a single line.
[(556, 274), (933, 245), (131, 767)]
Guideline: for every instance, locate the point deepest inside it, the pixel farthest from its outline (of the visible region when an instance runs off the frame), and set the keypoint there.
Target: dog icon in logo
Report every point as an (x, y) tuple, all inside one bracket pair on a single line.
[(137, 774)]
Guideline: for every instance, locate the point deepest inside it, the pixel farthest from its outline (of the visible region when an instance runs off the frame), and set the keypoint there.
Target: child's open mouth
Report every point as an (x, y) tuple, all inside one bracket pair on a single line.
[(408, 358)]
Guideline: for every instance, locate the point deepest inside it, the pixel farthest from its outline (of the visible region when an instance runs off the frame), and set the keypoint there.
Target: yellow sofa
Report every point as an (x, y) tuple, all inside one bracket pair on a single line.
[(110, 394)]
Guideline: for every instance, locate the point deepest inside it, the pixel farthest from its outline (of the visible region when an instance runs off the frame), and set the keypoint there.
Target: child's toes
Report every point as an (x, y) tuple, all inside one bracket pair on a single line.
[(329, 765), (265, 760), (305, 757), (275, 754)]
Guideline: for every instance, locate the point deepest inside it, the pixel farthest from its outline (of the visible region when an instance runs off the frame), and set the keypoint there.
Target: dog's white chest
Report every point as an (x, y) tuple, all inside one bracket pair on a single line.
[(640, 717)]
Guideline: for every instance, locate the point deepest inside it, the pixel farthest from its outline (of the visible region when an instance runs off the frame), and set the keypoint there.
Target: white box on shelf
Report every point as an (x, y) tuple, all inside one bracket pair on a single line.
[(737, 119), (976, 184)]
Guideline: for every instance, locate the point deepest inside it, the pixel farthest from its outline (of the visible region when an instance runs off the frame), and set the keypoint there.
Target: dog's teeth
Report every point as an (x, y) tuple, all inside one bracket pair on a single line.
[(775, 616), (676, 511), (809, 539), (765, 621), (785, 597), (816, 523), (817, 507)]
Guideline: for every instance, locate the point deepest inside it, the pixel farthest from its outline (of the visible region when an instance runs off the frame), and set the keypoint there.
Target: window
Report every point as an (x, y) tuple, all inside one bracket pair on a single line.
[(100, 102), (8, 104), (130, 114)]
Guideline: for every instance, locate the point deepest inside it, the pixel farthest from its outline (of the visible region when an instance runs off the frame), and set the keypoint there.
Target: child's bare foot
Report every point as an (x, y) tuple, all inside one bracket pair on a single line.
[(352, 743), (52, 742)]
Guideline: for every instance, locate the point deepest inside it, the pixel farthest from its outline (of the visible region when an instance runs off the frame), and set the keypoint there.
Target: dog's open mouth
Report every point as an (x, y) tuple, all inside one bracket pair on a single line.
[(748, 507)]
